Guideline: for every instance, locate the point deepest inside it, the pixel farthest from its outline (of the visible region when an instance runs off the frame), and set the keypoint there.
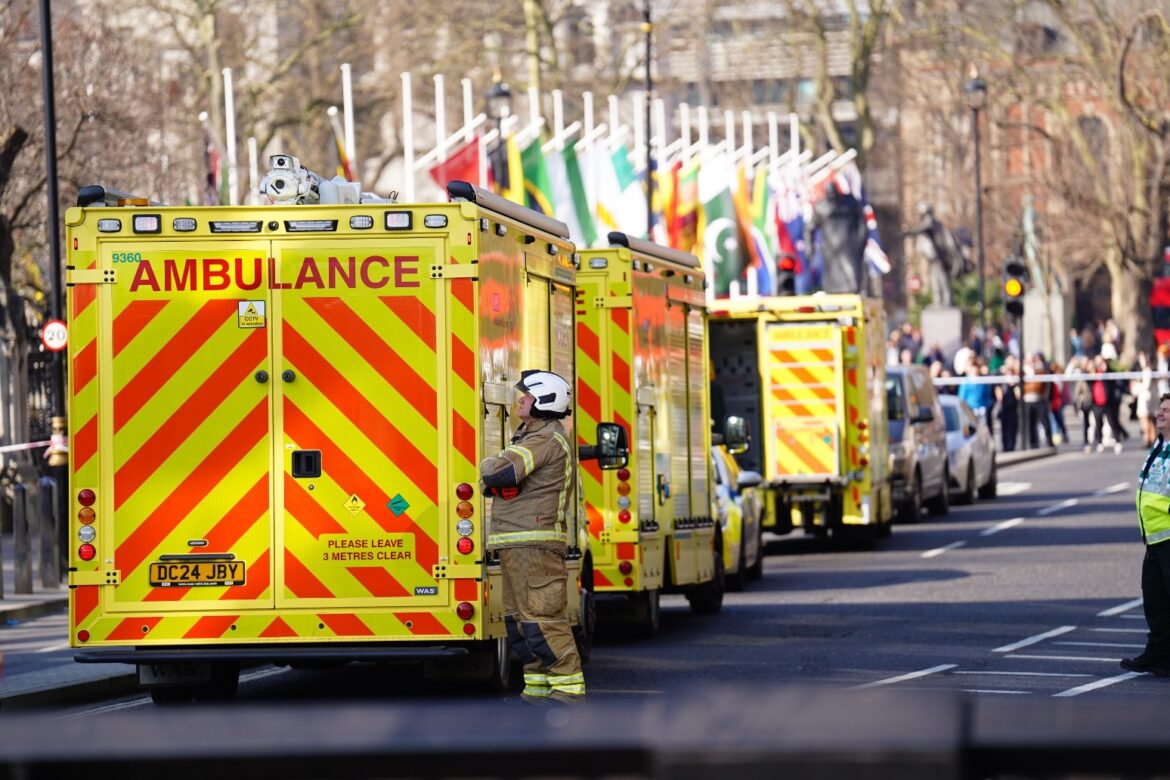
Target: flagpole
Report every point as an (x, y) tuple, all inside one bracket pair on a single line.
[(253, 170), (468, 110), (440, 119), (558, 119), (648, 29), (773, 139), (613, 119), (704, 129), (347, 115), (746, 116), (407, 141), (230, 120), (684, 112)]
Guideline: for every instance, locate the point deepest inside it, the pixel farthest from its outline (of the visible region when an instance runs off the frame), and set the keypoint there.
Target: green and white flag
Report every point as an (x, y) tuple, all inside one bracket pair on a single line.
[(619, 201), (580, 199), (568, 195), (719, 228)]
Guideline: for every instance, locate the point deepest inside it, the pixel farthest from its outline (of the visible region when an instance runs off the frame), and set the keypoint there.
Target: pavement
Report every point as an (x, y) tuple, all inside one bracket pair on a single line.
[(45, 674)]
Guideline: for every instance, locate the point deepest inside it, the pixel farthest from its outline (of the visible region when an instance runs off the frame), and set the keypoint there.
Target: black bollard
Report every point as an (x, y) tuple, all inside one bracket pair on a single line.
[(22, 582), (50, 559)]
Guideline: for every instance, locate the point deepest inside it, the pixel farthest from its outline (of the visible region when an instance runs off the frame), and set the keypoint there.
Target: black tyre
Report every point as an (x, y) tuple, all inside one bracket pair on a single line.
[(736, 581), (501, 654), (648, 612), (586, 626), (707, 599), (968, 494), (756, 570), (991, 489), (910, 510), (941, 504), (225, 682)]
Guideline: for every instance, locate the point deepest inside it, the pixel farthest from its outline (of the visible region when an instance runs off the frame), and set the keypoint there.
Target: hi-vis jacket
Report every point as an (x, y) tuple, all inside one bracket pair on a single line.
[(539, 462), (1153, 497)]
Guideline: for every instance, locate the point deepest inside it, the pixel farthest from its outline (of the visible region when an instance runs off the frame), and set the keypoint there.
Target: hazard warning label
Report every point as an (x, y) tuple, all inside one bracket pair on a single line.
[(251, 314), (353, 504)]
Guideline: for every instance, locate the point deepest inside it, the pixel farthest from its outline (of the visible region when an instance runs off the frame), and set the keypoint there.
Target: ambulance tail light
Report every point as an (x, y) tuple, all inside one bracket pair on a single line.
[(86, 497), (86, 552), (86, 515), (465, 545), (464, 491), (625, 567), (864, 462), (465, 610), (862, 425), (623, 475), (623, 488), (624, 516), (465, 509)]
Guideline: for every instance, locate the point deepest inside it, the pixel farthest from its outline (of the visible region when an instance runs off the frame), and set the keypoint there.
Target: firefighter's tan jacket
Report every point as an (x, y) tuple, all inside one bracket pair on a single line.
[(539, 462)]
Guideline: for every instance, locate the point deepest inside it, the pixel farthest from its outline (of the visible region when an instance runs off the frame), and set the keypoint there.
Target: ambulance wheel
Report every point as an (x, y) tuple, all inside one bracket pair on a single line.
[(707, 599), (501, 679), (172, 695), (225, 682), (649, 612), (587, 621)]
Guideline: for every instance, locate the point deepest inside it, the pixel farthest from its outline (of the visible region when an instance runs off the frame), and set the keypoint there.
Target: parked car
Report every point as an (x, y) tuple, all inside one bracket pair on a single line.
[(740, 512), (919, 471), (970, 451)]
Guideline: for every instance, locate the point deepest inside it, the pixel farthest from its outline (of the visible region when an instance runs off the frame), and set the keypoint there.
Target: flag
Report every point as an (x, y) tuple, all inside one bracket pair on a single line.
[(722, 260), (848, 180), (631, 199), (461, 165), (685, 227), (344, 169), (753, 257), (561, 194), (512, 187), (578, 195), (537, 189), (620, 203)]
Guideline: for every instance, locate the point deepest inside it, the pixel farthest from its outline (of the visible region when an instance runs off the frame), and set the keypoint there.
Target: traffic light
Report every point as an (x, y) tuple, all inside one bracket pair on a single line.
[(1015, 283), (786, 275)]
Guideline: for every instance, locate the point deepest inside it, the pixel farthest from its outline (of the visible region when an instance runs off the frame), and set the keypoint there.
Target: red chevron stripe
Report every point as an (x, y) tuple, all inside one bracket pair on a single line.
[(423, 623), (363, 340), (463, 437), (85, 601), (302, 582), (600, 580), (587, 342), (589, 401), (463, 361), (84, 443), (464, 293), (302, 429), (621, 318), (84, 294), (378, 581), (131, 320), (198, 485), (466, 590), (346, 625), (131, 628), (596, 520), (259, 580), (415, 315), (366, 417), (622, 421), (211, 627), (192, 413), (278, 629), (307, 511), (173, 355), (84, 367), (621, 372)]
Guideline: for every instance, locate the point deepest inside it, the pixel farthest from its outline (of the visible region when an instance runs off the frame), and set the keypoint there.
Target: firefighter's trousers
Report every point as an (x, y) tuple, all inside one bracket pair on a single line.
[(535, 609)]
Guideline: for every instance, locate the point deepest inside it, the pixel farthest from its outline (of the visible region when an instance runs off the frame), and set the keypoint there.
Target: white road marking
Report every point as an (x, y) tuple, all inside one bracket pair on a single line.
[(1120, 486), (54, 647), (1034, 639), (1067, 658), (1134, 617), (1033, 674), (1006, 524), (986, 690), (940, 550), (903, 677), (1012, 488), (1120, 630), (144, 699), (1095, 644), (1126, 607), (1067, 503), (1077, 691)]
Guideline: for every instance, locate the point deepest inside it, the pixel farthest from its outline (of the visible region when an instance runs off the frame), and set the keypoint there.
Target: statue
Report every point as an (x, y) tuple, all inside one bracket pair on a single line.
[(945, 259), (840, 218)]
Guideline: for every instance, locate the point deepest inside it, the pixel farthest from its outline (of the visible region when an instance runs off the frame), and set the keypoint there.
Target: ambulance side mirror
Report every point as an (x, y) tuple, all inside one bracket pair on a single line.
[(736, 436), (613, 446)]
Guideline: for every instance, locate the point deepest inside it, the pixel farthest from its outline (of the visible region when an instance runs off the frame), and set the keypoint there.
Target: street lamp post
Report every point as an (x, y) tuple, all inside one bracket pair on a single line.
[(499, 107), (976, 92)]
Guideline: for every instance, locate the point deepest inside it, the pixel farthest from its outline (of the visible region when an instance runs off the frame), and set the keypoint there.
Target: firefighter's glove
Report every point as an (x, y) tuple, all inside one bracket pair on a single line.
[(506, 493)]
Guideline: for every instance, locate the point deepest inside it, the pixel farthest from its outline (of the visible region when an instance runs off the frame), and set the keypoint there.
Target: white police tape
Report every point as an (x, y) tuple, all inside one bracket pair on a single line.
[(32, 445), (1015, 379)]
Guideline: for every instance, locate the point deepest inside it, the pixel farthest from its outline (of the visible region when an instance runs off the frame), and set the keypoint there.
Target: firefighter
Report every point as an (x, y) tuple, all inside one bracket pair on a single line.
[(532, 484)]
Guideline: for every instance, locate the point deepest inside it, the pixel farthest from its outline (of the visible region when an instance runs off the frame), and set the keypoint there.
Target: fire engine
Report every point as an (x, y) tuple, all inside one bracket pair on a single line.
[(643, 362), (808, 372), (277, 414)]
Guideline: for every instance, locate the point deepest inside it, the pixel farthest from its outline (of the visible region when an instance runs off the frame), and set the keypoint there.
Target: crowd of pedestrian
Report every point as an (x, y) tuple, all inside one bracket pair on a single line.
[(1028, 410)]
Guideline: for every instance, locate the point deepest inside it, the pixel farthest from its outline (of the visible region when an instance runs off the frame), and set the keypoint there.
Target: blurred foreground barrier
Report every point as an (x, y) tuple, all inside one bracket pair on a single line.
[(721, 732)]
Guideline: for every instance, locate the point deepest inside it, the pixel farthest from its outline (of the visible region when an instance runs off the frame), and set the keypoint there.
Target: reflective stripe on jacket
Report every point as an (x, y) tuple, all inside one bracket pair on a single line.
[(540, 463), (1153, 496)]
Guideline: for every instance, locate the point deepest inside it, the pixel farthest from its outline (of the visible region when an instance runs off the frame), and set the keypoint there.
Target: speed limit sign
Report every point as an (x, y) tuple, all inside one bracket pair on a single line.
[(55, 335)]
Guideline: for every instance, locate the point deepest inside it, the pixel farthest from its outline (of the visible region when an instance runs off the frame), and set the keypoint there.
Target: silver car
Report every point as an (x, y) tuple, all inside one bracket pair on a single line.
[(970, 451)]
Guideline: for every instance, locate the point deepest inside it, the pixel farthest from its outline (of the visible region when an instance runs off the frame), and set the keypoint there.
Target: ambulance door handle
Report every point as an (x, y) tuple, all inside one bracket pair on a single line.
[(261, 376), (288, 375)]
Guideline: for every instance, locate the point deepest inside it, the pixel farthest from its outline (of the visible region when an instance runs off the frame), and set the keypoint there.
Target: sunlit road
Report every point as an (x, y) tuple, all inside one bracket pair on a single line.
[(1033, 594)]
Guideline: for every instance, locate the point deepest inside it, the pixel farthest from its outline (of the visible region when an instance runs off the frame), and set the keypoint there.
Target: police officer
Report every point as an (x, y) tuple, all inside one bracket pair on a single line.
[(532, 483), (1153, 504)]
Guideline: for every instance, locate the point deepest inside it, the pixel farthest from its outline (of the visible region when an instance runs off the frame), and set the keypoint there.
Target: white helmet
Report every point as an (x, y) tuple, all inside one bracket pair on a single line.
[(552, 394)]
